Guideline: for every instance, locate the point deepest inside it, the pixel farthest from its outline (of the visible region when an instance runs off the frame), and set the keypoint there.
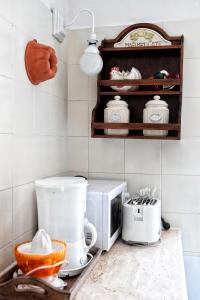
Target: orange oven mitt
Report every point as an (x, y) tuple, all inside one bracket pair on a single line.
[(40, 62)]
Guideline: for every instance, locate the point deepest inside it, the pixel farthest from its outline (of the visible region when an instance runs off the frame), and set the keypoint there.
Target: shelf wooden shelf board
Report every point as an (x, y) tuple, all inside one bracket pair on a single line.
[(167, 92), (131, 136), (140, 82), (136, 126), (143, 48)]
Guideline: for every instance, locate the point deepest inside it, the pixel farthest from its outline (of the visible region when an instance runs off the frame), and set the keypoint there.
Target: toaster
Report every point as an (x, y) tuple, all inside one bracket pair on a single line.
[(141, 221)]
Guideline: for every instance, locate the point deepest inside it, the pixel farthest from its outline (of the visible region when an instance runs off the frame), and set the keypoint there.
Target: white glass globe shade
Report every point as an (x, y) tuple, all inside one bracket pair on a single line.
[(91, 62)]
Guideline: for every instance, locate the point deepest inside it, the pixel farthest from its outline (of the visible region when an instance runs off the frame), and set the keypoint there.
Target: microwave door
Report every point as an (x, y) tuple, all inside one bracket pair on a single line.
[(115, 214)]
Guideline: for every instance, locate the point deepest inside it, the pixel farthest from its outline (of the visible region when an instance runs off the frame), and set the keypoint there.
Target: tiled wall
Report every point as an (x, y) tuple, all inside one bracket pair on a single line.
[(33, 131), (172, 166)]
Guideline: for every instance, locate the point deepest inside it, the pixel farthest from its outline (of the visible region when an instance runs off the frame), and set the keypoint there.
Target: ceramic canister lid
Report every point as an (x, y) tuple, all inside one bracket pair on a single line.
[(117, 102), (60, 182), (156, 102)]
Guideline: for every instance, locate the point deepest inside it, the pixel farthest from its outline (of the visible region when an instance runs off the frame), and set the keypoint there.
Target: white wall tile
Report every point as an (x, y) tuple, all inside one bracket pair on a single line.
[(6, 257), (181, 194), (190, 29), (35, 157), (109, 32), (189, 224), (6, 161), (47, 113), (191, 87), (106, 155), (181, 157), (21, 39), (91, 105), (137, 181), (77, 154), (142, 156), (75, 173), (63, 118), (42, 23), (25, 16), (7, 48), (44, 113), (77, 42), (59, 82), (6, 105), (110, 176), (6, 9), (47, 156), (24, 159), (93, 89), (78, 118), (63, 154), (190, 117), (23, 115), (24, 209), (63, 48), (77, 84), (5, 217)]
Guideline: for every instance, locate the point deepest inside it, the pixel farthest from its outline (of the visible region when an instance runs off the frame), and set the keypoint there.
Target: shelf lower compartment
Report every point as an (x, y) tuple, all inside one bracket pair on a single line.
[(132, 136), (138, 128)]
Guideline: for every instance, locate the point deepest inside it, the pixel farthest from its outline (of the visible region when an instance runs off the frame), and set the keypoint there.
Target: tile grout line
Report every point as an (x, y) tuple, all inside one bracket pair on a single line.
[(124, 159), (161, 171)]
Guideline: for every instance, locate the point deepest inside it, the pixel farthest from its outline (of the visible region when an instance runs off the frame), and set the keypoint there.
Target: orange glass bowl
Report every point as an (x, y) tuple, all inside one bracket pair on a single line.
[(27, 262)]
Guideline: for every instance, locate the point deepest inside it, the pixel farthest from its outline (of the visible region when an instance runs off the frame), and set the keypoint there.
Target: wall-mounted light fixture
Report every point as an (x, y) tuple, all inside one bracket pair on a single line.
[(91, 62)]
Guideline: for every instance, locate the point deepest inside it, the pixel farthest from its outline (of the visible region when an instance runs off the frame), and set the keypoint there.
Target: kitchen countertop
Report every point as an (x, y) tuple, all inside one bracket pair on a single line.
[(139, 272)]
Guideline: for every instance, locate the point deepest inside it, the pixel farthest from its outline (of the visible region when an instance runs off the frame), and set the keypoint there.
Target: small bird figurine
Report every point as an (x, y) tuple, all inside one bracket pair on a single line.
[(133, 74)]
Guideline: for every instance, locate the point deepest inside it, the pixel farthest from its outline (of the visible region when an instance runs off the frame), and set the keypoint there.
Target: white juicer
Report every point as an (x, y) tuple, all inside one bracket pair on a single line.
[(61, 203)]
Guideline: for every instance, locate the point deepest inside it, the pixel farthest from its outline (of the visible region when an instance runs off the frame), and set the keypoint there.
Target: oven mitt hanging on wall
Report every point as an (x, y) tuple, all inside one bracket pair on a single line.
[(40, 62)]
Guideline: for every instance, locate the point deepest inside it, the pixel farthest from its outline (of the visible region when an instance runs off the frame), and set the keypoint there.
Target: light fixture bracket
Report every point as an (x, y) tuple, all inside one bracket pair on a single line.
[(59, 26)]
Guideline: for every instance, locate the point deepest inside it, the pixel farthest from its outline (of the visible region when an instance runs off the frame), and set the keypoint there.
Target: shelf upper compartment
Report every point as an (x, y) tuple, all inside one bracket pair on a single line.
[(143, 48)]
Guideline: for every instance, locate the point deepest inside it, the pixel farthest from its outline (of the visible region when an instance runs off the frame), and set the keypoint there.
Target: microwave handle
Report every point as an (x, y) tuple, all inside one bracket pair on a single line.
[(93, 231)]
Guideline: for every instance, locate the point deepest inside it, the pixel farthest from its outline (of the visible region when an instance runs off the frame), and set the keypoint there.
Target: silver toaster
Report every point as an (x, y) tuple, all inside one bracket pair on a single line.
[(141, 220)]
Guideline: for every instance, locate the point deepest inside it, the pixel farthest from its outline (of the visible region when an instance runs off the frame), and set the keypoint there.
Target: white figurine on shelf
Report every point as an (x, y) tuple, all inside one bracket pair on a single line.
[(116, 74)]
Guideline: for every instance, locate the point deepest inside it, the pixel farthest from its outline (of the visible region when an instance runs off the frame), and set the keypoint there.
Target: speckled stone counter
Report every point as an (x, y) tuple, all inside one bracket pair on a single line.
[(139, 273)]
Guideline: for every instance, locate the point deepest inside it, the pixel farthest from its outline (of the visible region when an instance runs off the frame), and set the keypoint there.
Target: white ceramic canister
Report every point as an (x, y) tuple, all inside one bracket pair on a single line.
[(156, 111), (116, 112)]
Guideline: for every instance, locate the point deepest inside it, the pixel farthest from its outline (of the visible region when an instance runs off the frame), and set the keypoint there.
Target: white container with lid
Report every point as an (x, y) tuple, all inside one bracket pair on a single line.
[(116, 112), (156, 111), (61, 204)]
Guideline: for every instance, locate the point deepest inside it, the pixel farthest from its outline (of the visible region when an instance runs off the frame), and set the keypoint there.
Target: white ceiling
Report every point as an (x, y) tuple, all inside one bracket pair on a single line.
[(118, 12)]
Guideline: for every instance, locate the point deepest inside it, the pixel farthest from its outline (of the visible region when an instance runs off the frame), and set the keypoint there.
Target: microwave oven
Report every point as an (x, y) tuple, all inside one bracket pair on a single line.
[(104, 210)]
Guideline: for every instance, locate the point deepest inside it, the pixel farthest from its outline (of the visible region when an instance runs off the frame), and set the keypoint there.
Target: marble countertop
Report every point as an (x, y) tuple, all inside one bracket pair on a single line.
[(139, 273)]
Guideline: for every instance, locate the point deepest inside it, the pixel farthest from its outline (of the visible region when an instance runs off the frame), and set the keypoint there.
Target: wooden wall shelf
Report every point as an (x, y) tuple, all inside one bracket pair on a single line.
[(148, 60)]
